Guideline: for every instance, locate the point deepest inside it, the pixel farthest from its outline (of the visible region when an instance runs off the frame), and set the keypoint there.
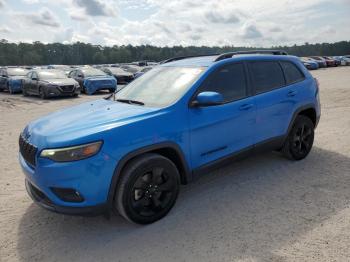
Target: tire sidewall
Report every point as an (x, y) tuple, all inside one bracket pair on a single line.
[(129, 176), (299, 121)]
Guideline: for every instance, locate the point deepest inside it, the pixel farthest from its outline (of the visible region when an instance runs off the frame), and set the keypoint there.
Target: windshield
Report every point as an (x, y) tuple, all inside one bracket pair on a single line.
[(52, 75), (16, 71), (161, 86), (93, 72)]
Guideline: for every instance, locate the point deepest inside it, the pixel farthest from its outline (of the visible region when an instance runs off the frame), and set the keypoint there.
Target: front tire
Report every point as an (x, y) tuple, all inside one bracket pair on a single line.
[(300, 139), (42, 93), (148, 189)]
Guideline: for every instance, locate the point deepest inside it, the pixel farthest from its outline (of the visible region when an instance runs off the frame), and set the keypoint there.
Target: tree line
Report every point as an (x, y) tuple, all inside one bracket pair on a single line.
[(38, 53)]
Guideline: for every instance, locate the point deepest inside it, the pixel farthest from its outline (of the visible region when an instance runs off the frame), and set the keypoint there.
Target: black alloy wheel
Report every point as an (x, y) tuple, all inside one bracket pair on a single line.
[(148, 189), (300, 139)]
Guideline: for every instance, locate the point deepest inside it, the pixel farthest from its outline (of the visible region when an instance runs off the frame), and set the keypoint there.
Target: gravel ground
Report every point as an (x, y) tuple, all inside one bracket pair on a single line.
[(263, 208)]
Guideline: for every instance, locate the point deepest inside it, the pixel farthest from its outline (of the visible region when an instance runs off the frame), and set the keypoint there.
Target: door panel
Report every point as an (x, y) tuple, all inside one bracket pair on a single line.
[(274, 100), (217, 131)]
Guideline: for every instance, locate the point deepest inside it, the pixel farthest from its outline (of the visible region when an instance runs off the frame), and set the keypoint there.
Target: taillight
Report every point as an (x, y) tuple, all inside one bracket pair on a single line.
[(317, 86)]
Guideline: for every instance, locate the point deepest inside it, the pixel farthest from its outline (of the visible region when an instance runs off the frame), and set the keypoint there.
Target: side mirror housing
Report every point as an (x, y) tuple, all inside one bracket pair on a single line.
[(35, 79), (80, 75), (208, 99)]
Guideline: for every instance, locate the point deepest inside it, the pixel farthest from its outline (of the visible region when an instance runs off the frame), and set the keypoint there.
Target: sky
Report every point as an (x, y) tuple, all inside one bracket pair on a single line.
[(260, 23)]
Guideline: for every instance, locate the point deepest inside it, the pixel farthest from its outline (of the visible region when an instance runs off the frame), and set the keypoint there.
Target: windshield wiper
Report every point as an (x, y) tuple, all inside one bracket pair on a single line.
[(129, 101)]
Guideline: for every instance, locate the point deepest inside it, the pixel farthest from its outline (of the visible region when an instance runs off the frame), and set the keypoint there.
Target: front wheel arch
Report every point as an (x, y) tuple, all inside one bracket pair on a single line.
[(164, 149)]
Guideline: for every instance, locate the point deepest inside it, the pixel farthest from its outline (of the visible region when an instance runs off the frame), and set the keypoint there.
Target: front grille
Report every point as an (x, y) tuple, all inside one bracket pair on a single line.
[(69, 88), (27, 150)]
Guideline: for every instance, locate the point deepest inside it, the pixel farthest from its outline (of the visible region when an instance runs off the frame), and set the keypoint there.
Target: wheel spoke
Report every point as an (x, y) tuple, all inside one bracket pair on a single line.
[(165, 187), (156, 201), (141, 183), (140, 205), (157, 175)]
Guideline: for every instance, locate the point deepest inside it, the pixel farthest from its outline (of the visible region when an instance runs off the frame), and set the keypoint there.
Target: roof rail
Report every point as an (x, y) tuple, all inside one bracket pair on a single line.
[(231, 54), (184, 57)]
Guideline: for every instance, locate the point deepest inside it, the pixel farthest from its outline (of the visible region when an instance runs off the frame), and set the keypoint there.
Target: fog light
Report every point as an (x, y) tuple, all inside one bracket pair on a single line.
[(67, 194)]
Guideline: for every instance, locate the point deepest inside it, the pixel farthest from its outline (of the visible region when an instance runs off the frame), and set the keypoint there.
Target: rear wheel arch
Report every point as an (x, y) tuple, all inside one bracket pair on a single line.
[(308, 111), (167, 149)]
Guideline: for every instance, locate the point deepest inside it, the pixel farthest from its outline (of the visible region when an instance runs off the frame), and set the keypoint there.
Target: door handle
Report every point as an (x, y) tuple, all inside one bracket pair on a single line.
[(245, 106), (291, 93)]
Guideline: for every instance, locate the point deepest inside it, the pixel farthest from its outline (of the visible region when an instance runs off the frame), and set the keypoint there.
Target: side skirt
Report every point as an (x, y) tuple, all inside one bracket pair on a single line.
[(271, 144)]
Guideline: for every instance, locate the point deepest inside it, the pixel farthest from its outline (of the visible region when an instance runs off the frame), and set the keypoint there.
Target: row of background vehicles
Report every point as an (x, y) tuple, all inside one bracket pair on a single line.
[(64, 80)]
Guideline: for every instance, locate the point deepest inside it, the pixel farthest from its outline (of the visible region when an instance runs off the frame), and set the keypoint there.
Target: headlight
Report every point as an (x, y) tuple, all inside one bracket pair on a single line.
[(73, 153)]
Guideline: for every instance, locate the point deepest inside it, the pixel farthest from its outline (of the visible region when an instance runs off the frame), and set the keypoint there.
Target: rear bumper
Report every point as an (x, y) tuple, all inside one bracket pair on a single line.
[(42, 200)]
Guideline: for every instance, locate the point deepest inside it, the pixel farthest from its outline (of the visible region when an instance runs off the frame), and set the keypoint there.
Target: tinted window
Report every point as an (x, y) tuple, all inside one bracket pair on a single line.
[(266, 76), (229, 81), (291, 72), (34, 75)]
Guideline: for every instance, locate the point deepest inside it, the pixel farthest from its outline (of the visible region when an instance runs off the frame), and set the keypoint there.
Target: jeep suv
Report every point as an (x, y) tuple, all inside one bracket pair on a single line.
[(131, 151)]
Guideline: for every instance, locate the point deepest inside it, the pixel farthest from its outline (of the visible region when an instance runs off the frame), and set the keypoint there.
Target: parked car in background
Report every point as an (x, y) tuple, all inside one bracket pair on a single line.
[(65, 68), (131, 68), (309, 63), (344, 61), (92, 80), (11, 79), (130, 152), (337, 60), (330, 61), (49, 83), (122, 76), (142, 71), (320, 60)]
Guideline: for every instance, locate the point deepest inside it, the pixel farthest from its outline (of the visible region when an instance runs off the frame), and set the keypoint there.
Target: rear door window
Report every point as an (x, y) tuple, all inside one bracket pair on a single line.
[(292, 73), (266, 76)]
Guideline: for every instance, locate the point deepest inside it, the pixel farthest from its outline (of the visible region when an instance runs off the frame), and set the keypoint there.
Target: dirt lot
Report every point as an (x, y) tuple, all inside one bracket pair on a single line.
[(263, 208)]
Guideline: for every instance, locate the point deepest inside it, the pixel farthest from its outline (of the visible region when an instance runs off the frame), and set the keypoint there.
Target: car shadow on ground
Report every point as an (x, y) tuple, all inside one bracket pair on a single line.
[(246, 210)]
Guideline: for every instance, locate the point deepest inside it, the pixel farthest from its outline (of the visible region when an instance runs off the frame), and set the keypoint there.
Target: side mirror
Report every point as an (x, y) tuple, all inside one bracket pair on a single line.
[(208, 99), (80, 75), (35, 79)]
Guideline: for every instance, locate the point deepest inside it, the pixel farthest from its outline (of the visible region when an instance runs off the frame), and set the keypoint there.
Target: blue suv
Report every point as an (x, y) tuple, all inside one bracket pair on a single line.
[(131, 151)]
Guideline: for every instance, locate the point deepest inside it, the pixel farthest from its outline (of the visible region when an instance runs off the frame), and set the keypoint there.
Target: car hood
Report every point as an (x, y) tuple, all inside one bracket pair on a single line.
[(84, 121), (61, 81)]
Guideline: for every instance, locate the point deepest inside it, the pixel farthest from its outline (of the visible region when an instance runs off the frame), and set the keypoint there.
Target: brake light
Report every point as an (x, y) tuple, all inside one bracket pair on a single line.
[(317, 86)]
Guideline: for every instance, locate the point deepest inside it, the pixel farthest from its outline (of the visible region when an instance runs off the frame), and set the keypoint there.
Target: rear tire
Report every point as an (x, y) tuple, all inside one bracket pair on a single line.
[(300, 139), (148, 189), (24, 92)]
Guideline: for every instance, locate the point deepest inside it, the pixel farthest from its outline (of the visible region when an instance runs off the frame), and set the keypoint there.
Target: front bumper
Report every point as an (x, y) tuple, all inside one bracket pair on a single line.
[(91, 178), (42, 200), (53, 91)]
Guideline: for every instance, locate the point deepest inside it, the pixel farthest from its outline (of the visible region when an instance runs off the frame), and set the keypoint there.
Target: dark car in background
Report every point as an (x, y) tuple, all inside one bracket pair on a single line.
[(142, 71), (320, 60), (92, 80), (65, 68), (122, 76), (330, 61), (49, 83), (131, 68), (11, 79)]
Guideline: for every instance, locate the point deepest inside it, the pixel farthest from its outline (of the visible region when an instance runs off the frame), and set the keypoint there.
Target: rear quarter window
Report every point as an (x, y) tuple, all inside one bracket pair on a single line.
[(292, 73), (266, 76)]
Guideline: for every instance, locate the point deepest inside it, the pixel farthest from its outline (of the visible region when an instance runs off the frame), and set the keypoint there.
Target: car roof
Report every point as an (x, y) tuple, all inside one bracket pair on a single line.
[(206, 61)]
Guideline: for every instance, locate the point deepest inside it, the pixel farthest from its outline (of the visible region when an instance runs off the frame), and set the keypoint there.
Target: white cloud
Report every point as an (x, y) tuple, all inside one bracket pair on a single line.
[(185, 22), (44, 17)]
